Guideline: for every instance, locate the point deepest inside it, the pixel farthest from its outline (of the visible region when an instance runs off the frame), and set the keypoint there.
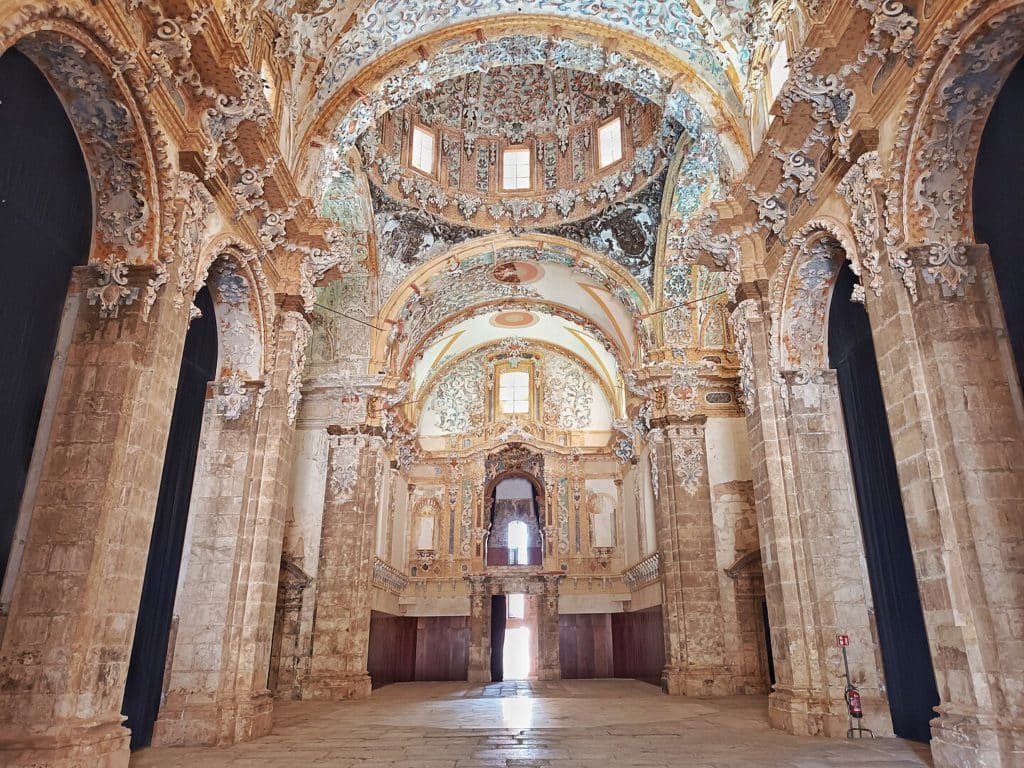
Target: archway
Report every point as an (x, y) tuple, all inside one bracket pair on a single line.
[(999, 202), (154, 624), (515, 523), (47, 230), (903, 639)]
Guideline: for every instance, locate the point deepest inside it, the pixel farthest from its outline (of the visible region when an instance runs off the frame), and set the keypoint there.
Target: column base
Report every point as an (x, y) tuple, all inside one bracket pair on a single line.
[(76, 744), (696, 682), (185, 722), (338, 689), (479, 676), (975, 739), (804, 713)]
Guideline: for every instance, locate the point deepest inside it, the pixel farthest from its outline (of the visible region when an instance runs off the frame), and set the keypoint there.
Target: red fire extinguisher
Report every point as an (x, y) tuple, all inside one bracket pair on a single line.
[(853, 702)]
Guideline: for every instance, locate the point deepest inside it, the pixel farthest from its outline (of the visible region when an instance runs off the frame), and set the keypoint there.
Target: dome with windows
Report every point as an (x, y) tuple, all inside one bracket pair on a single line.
[(519, 146)]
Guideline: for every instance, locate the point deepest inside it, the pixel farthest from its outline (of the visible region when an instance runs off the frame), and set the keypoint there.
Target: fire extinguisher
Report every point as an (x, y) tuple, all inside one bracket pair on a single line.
[(853, 702)]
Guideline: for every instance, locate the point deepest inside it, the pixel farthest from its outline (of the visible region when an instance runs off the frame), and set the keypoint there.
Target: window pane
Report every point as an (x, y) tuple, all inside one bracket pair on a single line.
[(517, 606), (422, 150), (515, 169), (609, 143), (514, 392)]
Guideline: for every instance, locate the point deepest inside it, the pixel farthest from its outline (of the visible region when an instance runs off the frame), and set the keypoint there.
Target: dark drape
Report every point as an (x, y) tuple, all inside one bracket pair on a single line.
[(499, 616), (149, 649), (45, 230), (909, 676), (999, 203)]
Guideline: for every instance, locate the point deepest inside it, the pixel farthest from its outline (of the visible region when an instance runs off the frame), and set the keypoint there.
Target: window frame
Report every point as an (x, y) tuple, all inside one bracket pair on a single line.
[(517, 150), (601, 165), (500, 369), (417, 128)]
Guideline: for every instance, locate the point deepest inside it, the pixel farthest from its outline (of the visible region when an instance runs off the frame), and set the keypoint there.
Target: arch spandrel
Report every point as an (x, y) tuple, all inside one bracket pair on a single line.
[(929, 222), (118, 131)]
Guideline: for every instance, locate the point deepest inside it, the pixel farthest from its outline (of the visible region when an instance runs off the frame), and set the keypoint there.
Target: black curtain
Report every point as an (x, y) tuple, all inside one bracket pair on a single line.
[(156, 608), (999, 203), (45, 230), (909, 676), (499, 616)]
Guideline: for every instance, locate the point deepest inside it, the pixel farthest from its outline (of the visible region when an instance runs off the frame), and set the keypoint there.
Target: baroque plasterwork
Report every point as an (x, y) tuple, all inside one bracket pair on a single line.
[(385, 25), (110, 136), (746, 312), (928, 216), (556, 111)]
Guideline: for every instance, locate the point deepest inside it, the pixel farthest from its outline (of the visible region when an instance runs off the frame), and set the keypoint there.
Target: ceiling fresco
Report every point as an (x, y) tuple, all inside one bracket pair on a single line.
[(558, 277), (554, 112), (713, 37)]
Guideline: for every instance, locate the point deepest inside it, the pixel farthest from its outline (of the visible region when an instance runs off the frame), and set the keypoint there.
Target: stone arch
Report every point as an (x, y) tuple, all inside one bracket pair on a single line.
[(800, 292), (243, 305), (929, 222), (105, 98), (617, 280)]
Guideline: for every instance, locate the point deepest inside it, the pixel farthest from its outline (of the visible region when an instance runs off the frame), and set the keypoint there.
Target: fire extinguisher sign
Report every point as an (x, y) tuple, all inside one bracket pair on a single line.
[(843, 641)]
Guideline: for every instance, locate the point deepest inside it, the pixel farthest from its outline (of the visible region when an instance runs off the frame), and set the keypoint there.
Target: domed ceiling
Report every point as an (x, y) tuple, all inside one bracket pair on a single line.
[(552, 113)]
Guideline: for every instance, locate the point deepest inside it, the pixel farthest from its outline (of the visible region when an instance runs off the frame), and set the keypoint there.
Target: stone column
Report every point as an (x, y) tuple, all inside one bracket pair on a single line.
[(217, 686), (342, 629), (811, 541), (795, 703), (954, 406), (695, 659), (479, 630), (549, 665), (828, 526), (67, 643)]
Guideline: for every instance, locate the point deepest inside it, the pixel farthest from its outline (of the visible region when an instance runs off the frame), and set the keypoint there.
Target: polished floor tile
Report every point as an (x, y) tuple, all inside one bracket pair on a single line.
[(563, 724)]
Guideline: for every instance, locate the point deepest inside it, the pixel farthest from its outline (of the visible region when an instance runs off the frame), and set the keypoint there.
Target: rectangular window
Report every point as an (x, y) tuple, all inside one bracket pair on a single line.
[(515, 169), (609, 143), (517, 606), (514, 392), (422, 150)]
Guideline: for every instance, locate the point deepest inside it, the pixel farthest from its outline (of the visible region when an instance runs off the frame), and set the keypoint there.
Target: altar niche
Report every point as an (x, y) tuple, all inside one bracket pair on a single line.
[(514, 530)]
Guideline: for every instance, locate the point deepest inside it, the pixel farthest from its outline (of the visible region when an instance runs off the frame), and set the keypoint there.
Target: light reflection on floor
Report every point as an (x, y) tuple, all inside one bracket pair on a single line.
[(516, 713)]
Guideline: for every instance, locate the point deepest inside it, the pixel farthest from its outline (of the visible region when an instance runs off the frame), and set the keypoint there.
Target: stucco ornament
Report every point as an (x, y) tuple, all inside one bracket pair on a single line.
[(568, 398), (457, 400), (110, 138), (745, 312), (222, 120), (233, 397), (860, 188), (830, 98), (196, 206), (112, 291), (927, 209), (297, 326), (344, 469), (688, 462)]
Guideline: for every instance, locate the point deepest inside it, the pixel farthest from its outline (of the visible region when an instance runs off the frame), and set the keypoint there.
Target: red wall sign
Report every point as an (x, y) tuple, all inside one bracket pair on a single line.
[(843, 641)]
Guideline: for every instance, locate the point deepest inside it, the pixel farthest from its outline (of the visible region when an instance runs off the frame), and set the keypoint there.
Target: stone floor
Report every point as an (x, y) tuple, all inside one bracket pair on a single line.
[(565, 724)]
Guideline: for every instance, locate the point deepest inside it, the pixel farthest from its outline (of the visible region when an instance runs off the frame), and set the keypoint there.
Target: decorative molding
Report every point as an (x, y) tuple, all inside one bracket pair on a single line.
[(112, 291), (747, 311)]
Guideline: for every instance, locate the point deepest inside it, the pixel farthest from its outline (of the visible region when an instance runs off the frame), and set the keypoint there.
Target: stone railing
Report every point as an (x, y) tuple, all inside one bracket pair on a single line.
[(643, 573), (389, 578)]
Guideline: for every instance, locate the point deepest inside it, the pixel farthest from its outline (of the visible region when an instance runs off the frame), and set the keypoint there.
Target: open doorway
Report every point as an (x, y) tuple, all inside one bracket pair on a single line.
[(513, 637)]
